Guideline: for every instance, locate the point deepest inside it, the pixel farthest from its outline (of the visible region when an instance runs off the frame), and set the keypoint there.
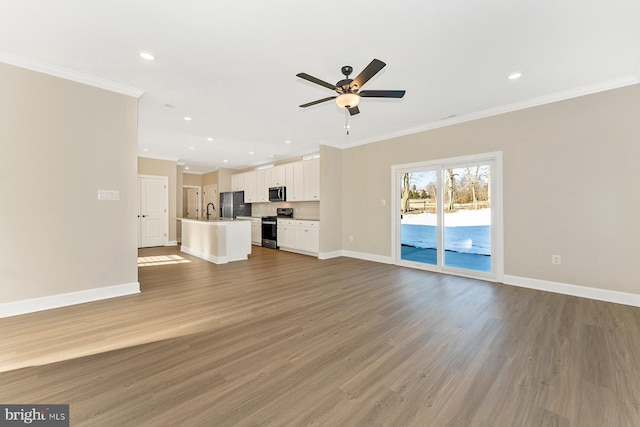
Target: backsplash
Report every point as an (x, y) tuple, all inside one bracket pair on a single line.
[(301, 210)]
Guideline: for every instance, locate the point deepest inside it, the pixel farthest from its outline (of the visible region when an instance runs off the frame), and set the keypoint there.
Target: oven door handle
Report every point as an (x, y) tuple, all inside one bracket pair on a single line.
[(269, 223)]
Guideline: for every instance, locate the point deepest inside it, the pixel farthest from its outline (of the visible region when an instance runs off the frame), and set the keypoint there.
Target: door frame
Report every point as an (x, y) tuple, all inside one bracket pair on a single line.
[(497, 226), (198, 198), (165, 217)]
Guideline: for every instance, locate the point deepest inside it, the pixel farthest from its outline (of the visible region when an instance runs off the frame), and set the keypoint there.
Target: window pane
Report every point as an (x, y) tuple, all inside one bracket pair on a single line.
[(467, 218), (418, 230)]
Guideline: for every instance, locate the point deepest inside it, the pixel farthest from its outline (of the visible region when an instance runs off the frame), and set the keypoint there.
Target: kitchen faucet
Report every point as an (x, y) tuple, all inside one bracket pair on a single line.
[(214, 209)]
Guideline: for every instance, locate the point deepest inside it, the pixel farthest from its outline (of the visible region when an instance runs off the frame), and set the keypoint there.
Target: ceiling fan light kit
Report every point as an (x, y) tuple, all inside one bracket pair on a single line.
[(348, 100), (348, 90)]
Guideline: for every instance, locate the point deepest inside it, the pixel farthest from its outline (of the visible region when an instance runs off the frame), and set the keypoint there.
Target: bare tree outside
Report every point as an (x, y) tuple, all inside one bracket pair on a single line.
[(464, 188)]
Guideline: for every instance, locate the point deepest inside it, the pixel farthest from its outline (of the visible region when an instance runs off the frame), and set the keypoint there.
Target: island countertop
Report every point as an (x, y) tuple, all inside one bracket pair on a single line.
[(212, 220)]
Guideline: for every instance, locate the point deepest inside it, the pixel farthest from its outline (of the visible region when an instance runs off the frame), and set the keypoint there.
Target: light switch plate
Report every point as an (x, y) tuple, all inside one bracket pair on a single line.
[(108, 195)]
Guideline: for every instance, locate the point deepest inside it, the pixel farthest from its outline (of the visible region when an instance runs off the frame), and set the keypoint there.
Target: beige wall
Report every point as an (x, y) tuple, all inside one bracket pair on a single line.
[(210, 178), (569, 178), (224, 179), (61, 142), (191, 179), (331, 199), (147, 166)]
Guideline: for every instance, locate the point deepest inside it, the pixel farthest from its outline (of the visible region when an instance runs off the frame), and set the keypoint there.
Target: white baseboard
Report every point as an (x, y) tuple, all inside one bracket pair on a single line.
[(525, 282), (574, 290), (172, 243), (368, 257), (208, 257), (329, 255), (32, 305)]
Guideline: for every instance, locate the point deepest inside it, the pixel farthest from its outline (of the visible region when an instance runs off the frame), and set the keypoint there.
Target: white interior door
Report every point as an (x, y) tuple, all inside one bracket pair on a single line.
[(152, 226), (192, 203)]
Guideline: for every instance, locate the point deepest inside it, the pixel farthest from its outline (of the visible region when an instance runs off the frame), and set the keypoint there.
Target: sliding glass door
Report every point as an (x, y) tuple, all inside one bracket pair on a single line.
[(445, 215)]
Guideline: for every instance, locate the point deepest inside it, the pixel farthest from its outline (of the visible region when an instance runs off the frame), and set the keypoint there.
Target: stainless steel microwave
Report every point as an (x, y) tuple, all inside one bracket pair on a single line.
[(277, 194)]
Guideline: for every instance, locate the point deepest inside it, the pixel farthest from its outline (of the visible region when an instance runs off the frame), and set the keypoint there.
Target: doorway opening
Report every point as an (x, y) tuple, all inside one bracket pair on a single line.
[(191, 201)]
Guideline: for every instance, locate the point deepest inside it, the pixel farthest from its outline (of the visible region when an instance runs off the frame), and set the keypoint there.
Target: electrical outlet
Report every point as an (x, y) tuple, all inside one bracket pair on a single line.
[(383, 202), (351, 238), (556, 259)]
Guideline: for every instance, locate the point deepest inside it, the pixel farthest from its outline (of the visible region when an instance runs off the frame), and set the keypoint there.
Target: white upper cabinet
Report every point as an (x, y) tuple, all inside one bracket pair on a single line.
[(302, 180), (311, 177), (263, 177), (295, 182), (237, 182), (278, 176), (250, 187)]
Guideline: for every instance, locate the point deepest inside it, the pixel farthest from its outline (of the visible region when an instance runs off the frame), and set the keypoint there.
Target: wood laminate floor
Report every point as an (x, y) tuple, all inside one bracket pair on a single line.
[(288, 340)]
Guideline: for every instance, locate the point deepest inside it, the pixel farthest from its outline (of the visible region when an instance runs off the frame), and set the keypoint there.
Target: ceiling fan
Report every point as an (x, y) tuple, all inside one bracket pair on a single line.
[(348, 90)]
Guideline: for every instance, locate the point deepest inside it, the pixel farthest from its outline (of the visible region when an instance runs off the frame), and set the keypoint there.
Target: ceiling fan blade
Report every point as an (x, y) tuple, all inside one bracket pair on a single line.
[(382, 93), (370, 70), (309, 104), (354, 110), (316, 81)]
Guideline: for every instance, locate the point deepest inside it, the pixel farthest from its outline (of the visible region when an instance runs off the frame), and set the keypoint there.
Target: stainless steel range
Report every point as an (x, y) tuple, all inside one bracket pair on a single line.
[(270, 232), (270, 227)]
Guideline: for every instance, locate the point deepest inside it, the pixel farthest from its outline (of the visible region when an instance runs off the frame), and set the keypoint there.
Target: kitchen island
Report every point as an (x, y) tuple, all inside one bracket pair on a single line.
[(219, 240)]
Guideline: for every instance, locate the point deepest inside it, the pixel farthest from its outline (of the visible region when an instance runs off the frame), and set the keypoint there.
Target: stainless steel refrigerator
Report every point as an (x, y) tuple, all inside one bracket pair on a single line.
[(232, 205)]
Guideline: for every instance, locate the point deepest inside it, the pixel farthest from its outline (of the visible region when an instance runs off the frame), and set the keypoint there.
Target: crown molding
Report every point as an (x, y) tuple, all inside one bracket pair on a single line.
[(534, 102), (154, 157), (65, 73)]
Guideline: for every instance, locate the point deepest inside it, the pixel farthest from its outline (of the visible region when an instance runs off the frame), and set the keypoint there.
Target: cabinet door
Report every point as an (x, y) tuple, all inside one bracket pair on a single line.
[(262, 186), (286, 236), (295, 183), (237, 182), (302, 238), (311, 177), (314, 240), (256, 232), (290, 237), (250, 187), (278, 176)]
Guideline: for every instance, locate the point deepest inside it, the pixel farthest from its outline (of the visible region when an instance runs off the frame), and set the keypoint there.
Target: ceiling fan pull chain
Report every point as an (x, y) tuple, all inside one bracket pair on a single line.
[(346, 120)]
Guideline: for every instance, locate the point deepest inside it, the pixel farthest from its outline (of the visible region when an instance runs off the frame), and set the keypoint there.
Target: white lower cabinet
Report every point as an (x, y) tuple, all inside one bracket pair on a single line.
[(256, 232), (299, 235)]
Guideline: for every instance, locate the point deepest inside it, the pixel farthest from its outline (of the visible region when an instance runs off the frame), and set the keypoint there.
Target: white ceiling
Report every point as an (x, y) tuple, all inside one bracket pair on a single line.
[(232, 66)]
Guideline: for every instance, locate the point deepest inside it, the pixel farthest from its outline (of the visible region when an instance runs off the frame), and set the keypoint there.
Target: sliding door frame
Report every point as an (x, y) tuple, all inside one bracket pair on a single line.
[(497, 234)]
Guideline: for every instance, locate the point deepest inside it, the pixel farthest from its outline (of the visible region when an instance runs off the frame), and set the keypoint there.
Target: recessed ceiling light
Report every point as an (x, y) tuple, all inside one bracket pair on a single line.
[(186, 167), (192, 148), (145, 149), (225, 160), (188, 119), (514, 76), (287, 142), (148, 56), (251, 152), (209, 139)]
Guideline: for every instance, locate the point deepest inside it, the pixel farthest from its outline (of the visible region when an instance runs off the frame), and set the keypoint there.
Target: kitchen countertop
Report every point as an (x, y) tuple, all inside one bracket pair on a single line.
[(213, 220)]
